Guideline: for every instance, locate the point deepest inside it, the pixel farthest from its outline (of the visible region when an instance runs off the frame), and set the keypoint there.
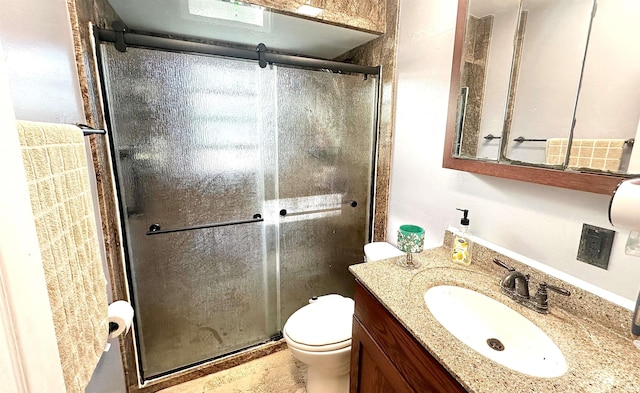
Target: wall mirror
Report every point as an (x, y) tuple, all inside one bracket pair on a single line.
[(523, 70)]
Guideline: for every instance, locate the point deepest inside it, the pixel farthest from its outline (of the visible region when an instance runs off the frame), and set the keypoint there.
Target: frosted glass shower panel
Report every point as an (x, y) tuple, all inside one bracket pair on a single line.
[(186, 139), (201, 294), (325, 154), (186, 133)]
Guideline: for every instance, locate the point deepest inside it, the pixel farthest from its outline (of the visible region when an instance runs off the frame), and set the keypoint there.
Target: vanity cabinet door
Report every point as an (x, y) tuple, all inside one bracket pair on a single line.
[(371, 370), (385, 357)]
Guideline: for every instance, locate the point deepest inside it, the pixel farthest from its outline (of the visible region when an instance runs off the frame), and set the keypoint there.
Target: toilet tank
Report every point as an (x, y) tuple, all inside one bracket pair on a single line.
[(380, 250)]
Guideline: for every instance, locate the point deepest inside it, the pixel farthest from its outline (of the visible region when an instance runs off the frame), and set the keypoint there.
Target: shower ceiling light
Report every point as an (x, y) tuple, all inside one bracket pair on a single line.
[(227, 10), (309, 10)]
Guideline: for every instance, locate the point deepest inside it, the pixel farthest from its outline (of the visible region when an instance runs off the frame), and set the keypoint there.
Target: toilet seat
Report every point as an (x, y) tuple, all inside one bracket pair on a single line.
[(317, 348), (322, 326)]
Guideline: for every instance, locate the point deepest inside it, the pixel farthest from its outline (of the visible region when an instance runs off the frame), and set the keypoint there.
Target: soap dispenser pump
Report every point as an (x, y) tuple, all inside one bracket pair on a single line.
[(461, 250)]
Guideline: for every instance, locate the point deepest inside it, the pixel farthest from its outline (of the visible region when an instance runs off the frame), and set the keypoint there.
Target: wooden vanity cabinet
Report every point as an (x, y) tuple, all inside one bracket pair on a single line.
[(386, 358)]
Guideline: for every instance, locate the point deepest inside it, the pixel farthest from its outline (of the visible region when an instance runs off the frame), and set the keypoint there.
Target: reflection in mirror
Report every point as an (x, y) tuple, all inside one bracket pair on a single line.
[(608, 109), (548, 65), (473, 159), (485, 72)]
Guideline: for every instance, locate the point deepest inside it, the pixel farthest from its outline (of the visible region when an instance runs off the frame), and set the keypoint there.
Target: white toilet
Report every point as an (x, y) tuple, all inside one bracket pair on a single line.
[(380, 250), (319, 334)]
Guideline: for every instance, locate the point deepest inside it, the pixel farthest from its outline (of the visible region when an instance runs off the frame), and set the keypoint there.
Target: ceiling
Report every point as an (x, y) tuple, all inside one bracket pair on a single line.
[(234, 23)]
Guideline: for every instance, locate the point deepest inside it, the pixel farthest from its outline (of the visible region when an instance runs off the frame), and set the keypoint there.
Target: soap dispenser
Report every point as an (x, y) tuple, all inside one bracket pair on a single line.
[(461, 250)]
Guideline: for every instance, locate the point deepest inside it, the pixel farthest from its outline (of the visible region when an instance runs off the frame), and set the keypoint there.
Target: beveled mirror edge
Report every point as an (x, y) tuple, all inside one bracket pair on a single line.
[(589, 182)]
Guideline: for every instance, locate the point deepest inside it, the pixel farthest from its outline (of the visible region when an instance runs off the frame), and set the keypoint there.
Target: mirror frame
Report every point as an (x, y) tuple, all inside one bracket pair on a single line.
[(589, 182)]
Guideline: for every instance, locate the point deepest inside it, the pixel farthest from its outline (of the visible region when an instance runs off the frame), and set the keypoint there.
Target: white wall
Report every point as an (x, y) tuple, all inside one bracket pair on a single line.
[(38, 49), (610, 95), (540, 222), (39, 57), (552, 55), (29, 359)]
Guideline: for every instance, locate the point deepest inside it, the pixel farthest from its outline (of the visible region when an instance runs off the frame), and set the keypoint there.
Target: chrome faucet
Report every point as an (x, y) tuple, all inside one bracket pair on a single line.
[(516, 286)]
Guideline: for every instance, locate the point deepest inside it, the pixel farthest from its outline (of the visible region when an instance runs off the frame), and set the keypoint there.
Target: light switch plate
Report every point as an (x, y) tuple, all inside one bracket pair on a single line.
[(595, 245)]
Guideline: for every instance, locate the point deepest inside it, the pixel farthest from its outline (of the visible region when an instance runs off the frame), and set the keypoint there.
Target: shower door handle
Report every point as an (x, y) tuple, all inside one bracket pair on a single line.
[(156, 229), (351, 203)]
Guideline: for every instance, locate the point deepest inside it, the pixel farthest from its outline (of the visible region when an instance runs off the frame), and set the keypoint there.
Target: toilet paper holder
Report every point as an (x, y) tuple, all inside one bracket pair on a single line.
[(624, 213), (120, 318)]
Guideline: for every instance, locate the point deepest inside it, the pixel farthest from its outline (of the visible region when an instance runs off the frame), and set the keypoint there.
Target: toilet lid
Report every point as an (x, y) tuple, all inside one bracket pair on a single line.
[(377, 251), (324, 322)]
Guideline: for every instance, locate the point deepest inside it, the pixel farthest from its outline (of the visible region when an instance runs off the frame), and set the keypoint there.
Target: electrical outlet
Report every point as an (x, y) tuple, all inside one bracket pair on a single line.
[(595, 245)]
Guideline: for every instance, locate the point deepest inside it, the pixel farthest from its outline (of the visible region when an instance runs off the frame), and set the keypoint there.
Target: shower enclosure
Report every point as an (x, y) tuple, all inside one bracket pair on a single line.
[(243, 191)]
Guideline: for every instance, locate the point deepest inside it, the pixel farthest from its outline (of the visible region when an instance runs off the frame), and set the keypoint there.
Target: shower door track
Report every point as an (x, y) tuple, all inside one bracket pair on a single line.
[(122, 39)]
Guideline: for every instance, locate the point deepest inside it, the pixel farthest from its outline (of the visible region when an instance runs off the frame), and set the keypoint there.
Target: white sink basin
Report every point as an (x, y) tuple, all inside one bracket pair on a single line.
[(483, 323)]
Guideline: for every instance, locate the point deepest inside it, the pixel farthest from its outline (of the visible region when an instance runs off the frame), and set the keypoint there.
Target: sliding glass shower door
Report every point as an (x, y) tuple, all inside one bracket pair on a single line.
[(243, 192), (187, 146), (325, 124)]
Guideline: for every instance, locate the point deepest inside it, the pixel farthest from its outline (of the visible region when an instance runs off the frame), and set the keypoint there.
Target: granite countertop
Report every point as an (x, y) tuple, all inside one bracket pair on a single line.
[(592, 333)]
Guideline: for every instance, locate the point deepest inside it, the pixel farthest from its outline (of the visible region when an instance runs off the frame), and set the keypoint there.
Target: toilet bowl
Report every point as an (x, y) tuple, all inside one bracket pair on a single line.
[(319, 334)]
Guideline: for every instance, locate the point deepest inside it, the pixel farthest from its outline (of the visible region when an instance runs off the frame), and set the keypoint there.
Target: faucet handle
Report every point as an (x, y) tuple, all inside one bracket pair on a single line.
[(543, 286), (540, 301), (502, 264)]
